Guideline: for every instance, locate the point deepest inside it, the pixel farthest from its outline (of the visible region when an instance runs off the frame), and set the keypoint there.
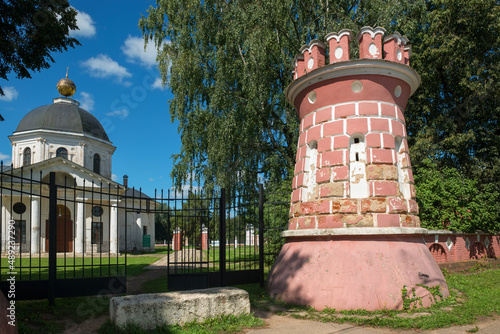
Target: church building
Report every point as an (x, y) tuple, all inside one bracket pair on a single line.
[(94, 213)]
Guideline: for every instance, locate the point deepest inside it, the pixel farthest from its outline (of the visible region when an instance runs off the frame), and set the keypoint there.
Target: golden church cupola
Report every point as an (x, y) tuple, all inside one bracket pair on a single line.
[(62, 129)]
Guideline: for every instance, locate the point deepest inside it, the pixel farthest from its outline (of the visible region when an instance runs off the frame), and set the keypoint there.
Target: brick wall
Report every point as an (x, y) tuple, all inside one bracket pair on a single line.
[(457, 247)]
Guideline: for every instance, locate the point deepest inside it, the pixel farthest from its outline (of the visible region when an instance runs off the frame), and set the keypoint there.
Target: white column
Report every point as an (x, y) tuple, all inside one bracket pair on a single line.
[(80, 227), (35, 225), (5, 222), (152, 231), (138, 235), (113, 229)]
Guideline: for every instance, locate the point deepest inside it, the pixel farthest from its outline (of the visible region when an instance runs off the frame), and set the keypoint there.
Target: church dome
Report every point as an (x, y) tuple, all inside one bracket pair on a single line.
[(63, 115)]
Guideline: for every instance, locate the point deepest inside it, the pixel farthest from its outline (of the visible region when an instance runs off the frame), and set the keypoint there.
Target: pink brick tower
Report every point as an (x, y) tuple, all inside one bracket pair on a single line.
[(354, 238)]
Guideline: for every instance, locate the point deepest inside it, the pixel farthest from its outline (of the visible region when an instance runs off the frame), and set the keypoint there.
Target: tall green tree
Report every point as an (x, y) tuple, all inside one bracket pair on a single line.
[(454, 116), (30, 31), (448, 200), (228, 64)]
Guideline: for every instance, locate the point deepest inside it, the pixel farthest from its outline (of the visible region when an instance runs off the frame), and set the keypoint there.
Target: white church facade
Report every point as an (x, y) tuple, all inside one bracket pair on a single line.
[(94, 213)]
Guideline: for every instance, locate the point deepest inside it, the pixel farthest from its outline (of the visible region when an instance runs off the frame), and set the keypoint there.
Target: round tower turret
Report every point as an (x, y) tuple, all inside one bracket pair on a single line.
[(354, 237)]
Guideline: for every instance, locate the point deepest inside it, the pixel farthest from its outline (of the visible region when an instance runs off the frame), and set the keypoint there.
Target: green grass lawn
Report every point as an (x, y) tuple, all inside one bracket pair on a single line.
[(237, 258), (157, 285), (474, 293), (38, 268), (36, 316)]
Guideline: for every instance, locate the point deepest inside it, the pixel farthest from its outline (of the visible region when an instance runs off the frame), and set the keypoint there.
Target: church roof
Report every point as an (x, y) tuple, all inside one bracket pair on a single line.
[(63, 115)]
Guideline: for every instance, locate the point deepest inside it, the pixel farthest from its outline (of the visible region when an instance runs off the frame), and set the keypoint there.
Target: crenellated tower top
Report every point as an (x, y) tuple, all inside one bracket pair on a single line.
[(372, 45)]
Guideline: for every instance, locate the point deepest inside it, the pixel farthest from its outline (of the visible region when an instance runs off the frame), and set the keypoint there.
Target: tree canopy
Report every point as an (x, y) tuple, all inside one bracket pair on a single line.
[(229, 63), (31, 31)]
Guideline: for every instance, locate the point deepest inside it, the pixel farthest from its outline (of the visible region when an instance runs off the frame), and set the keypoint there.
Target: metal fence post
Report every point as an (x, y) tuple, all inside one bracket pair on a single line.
[(222, 235), (261, 234), (52, 237)]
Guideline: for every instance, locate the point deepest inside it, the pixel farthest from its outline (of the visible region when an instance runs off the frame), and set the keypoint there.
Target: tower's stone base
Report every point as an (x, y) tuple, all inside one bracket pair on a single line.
[(365, 270)]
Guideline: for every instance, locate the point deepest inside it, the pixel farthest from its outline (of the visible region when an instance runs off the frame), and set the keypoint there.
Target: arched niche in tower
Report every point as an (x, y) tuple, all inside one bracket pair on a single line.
[(400, 152), (357, 166), (310, 168)]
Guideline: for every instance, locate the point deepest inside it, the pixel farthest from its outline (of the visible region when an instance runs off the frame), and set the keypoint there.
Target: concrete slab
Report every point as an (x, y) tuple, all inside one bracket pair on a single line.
[(157, 309)]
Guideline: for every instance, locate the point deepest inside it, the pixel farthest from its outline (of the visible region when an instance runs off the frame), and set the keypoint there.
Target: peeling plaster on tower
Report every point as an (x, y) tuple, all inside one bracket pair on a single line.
[(354, 238)]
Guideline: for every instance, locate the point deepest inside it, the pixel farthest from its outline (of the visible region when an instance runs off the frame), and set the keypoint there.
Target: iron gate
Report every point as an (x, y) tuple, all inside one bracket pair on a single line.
[(59, 238), (220, 241)]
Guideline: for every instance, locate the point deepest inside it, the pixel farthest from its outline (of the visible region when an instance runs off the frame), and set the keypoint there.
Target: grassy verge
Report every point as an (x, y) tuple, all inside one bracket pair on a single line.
[(38, 269), (222, 324), (474, 294), (156, 285)]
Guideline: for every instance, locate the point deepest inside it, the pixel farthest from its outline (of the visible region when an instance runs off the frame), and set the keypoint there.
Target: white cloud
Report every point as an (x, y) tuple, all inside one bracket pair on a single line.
[(184, 191), (133, 48), (123, 113), (5, 159), (10, 94), (157, 84), (85, 24), (102, 66), (87, 101)]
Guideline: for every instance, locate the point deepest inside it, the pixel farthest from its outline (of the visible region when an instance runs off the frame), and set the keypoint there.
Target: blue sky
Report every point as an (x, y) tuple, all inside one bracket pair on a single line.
[(117, 82)]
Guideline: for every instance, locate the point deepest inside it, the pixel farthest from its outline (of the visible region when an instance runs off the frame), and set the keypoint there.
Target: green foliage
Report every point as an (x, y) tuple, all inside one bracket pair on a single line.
[(449, 200), (161, 222), (453, 118), (30, 31), (276, 212), (228, 64), (410, 299)]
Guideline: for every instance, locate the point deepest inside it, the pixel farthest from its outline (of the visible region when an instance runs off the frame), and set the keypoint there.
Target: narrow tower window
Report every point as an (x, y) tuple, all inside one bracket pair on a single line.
[(400, 155), (97, 163), (27, 156), (357, 167), (310, 168)]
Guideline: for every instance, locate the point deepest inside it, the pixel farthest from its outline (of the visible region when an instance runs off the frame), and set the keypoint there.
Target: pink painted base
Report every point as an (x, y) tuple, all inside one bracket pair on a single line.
[(354, 272)]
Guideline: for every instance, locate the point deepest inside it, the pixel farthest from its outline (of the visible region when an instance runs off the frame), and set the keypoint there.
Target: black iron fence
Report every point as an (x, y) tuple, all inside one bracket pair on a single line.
[(222, 240), (60, 237), (63, 237)]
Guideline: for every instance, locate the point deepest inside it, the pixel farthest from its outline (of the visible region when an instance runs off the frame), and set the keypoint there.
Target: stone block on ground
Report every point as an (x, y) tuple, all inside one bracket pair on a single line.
[(149, 311)]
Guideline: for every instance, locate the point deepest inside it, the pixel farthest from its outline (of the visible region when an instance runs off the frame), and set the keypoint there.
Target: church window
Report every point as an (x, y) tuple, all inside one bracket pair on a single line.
[(62, 152), (27, 156), (96, 233), (97, 163), (20, 230)]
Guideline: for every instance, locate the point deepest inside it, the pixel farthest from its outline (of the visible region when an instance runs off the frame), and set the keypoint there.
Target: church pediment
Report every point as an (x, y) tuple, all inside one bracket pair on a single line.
[(68, 174)]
